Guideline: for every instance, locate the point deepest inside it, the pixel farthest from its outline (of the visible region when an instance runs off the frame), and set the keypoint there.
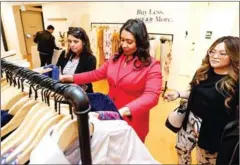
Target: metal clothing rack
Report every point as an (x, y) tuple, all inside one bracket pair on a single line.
[(105, 23), (164, 34), (118, 23), (73, 94), (172, 36)]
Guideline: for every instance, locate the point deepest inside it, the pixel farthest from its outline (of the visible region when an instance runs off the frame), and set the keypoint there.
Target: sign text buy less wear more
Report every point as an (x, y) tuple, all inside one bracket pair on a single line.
[(150, 16)]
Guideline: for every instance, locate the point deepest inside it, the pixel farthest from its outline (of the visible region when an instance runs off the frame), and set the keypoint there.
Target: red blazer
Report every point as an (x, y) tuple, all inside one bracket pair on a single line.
[(137, 89)]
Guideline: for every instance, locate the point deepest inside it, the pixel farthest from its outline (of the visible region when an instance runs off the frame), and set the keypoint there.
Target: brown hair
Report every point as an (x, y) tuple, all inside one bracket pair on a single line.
[(81, 34), (229, 84)]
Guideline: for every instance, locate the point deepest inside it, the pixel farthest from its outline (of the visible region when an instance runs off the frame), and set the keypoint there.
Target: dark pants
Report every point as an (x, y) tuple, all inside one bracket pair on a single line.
[(46, 58)]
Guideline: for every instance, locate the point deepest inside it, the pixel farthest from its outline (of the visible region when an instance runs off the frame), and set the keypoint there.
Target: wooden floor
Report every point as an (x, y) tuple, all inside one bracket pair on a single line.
[(160, 141)]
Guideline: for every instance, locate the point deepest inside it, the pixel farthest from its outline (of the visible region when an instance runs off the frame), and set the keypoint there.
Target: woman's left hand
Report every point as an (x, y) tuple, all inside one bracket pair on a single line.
[(125, 111)]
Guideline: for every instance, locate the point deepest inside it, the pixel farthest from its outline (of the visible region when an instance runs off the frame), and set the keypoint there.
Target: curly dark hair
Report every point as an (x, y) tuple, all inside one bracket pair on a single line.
[(81, 34), (138, 29), (228, 86)]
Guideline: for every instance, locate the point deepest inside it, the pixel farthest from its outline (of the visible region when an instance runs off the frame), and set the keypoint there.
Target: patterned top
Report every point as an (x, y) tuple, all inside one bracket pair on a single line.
[(71, 66)]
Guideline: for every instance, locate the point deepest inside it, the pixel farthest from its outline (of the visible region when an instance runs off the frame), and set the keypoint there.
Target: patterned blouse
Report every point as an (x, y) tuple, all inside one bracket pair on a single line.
[(71, 66)]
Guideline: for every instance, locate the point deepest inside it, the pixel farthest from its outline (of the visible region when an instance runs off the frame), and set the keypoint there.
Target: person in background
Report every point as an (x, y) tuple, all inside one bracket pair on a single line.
[(133, 76), (212, 102), (46, 45), (78, 58)]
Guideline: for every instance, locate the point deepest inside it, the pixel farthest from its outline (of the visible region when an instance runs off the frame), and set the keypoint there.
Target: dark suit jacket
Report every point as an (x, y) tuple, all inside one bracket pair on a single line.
[(46, 42), (86, 63)]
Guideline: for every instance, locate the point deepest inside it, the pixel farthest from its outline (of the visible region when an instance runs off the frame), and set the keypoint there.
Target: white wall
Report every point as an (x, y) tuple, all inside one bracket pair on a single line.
[(9, 26), (77, 14), (195, 17)]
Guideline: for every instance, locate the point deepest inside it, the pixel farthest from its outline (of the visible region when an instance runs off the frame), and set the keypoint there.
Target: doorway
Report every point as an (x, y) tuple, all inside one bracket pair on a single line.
[(32, 22)]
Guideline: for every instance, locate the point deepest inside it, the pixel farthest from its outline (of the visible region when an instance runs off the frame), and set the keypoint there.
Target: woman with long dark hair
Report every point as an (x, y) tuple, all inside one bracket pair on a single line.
[(134, 77), (212, 102), (78, 58)]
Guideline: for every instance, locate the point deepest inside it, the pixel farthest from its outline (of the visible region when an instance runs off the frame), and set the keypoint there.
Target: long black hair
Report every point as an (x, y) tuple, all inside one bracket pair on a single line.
[(81, 34), (138, 29)]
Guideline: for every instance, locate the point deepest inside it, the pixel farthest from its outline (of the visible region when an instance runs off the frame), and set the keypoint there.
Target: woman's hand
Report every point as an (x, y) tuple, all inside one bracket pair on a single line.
[(171, 96), (66, 78), (124, 111)]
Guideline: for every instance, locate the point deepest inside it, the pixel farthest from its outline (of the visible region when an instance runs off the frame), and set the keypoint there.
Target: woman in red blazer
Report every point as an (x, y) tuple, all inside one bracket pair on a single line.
[(133, 76)]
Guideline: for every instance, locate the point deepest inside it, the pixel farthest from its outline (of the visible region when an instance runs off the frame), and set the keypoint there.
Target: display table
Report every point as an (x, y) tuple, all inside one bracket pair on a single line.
[(36, 59)]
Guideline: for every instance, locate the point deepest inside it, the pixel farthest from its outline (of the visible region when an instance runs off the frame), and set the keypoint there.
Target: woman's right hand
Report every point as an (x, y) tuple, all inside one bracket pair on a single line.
[(171, 96), (66, 78)]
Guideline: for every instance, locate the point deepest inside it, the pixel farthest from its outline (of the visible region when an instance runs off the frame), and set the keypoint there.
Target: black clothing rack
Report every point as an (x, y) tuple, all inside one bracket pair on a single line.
[(72, 94)]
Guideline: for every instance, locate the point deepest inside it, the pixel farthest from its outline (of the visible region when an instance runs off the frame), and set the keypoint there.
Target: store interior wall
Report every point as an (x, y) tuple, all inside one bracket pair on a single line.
[(222, 18), (2, 46), (10, 28)]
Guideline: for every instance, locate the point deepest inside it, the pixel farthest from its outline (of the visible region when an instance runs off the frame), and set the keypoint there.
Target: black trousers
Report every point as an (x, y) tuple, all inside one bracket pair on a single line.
[(45, 58)]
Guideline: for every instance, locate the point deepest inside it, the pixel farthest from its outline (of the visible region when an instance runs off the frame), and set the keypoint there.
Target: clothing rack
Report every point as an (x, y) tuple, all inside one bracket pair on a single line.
[(72, 93), (172, 36), (118, 23), (164, 34), (105, 23)]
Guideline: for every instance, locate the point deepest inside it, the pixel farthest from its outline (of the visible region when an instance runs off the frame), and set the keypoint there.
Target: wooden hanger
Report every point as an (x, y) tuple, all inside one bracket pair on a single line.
[(5, 87), (7, 92), (62, 122), (67, 134), (19, 132), (18, 105), (25, 156), (13, 100), (18, 117), (14, 141), (47, 116), (3, 82), (33, 139)]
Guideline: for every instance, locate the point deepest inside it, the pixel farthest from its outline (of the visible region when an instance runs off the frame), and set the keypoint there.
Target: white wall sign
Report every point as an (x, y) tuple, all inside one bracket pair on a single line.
[(153, 16)]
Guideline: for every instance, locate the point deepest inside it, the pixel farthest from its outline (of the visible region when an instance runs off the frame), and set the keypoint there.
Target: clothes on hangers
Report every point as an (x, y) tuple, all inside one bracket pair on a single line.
[(107, 40), (112, 142), (100, 46), (167, 61), (107, 43), (115, 41), (101, 102), (5, 117)]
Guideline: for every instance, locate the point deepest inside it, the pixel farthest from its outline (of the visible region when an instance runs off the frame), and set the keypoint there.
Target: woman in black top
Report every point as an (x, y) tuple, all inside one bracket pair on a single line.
[(212, 102), (78, 58)]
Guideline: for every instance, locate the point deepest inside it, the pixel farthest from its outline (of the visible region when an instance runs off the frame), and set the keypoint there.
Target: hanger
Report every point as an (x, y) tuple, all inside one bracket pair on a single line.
[(33, 140), (31, 135), (13, 100), (18, 111), (25, 156), (23, 130), (67, 134), (62, 122)]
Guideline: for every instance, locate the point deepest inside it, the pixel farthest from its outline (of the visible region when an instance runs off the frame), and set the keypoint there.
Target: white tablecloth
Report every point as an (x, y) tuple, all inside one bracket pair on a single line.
[(36, 59)]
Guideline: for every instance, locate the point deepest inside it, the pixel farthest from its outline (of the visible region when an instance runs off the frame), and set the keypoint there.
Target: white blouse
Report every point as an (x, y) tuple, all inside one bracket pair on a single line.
[(71, 66), (113, 142)]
